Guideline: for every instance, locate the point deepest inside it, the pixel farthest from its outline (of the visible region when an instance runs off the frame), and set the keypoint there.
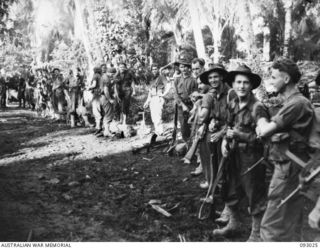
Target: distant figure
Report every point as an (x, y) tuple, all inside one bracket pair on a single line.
[(21, 92)]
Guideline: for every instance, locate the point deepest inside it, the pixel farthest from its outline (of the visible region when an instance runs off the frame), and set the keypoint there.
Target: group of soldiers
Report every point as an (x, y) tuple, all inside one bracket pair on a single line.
[(248, 149), (243, 145)]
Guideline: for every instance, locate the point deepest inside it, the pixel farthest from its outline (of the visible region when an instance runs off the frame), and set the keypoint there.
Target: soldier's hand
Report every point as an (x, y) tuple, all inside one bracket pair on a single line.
[(215, 137), (145, 106), (185, 108), (231, 133), (314, 218)]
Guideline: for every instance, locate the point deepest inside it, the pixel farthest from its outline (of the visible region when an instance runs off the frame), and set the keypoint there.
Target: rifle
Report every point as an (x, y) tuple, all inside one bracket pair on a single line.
[(213, 185), (198, 137), (306, 180), (307, 170), (173, 142), (212, 189)]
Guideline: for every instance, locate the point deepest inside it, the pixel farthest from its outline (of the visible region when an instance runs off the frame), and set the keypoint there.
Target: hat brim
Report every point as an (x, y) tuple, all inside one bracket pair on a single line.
[(55, 69), (168, 66), (178, 62), (255, 79), (205, 75)]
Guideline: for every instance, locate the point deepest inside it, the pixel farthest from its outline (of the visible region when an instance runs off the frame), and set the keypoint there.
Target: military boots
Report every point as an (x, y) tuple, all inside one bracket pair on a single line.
[(233, 225), (255, 229)]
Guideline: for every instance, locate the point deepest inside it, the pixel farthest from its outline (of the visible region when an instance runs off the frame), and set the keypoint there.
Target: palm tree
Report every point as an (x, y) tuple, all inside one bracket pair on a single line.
[(218, 14)]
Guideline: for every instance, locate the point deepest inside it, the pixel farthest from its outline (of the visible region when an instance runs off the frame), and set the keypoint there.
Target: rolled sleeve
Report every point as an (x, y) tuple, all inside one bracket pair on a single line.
[(288, 115)]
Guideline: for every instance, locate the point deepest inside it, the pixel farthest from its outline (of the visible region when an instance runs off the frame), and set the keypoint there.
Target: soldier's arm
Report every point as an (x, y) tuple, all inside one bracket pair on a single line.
[(177, 98), (93, 84), (259, 114), (205, 108)]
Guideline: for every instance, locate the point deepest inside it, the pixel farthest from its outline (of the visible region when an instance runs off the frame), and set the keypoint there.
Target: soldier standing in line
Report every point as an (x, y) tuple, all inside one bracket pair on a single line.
[(184, 85), (125, 88), (74, 91), (58, 94), (243, 114), (2, 91), (214, 108), (155, 98), (295, 117), (107, 100), (21, 92), (197, 67), (95, 88)]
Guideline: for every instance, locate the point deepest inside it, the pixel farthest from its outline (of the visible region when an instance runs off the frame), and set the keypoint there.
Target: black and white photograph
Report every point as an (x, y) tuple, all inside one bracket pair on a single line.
[(159, 121)]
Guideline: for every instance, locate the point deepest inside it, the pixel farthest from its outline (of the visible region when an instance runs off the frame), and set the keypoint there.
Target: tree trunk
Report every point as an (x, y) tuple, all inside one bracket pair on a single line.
[(248, 27), (81, 32), (216, 41), (266, 43), (195, 20), (287, 27), (92, 24)]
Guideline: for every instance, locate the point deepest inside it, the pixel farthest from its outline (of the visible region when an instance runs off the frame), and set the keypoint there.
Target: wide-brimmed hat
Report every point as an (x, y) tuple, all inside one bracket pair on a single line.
[(55, 69), (204, 77), (184, 60), (255, 79), (131, 51), (111, 70)]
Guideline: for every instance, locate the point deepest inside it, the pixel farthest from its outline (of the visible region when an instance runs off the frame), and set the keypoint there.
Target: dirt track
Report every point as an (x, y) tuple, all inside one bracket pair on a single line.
[(61, 184)]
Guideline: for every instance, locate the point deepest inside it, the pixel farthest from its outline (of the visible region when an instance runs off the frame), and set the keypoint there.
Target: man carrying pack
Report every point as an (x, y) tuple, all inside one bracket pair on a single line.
[(295, 117), (58, 94), (21, 92), (184, 85), (214, 113), (197, 67), (74, 92), (107, 100), (125, 88), (243, 113), (95, 88)]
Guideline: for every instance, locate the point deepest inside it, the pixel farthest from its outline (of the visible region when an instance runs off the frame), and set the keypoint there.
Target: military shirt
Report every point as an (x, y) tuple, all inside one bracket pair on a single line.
[(109, 84), (96, 77), (73, 82), (57, 83), (183, 88), (125, 79), (295, 117), (245, 119), (217, 103)]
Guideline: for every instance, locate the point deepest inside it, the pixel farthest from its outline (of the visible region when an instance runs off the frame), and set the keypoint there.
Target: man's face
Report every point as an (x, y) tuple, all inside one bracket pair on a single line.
[(111, 75), (278, 80), (215, 80), (242, 85), (56, 72), (155, 71), (197, 69), (166, 71), (184, 69), (104, 68), (122, 68)]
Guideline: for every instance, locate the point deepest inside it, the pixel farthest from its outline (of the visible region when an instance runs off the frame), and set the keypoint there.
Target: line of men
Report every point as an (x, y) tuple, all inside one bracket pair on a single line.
[(240, 128)]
